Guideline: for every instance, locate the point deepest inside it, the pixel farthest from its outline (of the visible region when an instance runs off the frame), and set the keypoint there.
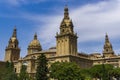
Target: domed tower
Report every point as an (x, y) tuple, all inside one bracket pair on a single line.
[(34, 45), (108, 50), (66, 40), (12, 51)]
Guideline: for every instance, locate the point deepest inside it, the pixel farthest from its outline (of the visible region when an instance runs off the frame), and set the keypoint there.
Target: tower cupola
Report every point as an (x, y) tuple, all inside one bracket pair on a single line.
[(66, 26), (108, 50)]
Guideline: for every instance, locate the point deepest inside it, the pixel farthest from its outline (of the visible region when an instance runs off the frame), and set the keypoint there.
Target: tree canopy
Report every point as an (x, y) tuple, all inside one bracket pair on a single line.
[(101, 71), (60, 71), (65, 71), (115, 72)]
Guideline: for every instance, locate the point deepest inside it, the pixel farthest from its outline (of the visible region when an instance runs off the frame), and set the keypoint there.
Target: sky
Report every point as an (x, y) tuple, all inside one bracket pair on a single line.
[(92, 19)]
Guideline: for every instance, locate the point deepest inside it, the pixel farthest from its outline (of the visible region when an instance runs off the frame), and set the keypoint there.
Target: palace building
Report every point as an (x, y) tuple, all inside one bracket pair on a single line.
[(64, 51)]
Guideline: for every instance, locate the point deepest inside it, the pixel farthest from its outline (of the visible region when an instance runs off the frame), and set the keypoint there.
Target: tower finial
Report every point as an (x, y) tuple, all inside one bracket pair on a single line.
[(106, 38), (14, 32), (35, 36), (66, 12)]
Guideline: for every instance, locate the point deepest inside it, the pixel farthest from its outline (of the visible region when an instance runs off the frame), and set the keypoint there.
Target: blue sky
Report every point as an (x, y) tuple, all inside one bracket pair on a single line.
[(92, 19)]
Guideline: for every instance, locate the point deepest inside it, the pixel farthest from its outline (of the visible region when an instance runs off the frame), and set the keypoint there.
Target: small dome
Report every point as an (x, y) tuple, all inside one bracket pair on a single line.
[(35, 43)]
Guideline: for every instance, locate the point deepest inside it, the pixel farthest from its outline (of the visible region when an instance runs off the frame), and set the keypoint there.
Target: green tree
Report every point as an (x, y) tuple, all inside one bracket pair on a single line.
[(65, 71), (9, 73), (115, 72), (42, 69), (23, 75), (101, 71), (2, 73), (86, 74)]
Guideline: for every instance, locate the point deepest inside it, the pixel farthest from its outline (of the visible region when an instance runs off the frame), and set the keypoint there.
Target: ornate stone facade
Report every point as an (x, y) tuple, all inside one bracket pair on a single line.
[(65, 50)]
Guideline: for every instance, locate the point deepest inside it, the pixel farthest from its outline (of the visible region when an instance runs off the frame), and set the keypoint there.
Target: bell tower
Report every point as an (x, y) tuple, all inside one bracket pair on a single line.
[(108, 50), (12, 51), (66, 40)]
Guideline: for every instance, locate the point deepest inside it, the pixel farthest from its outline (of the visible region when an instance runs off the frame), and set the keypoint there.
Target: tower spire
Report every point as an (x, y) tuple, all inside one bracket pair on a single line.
[(14, 32), (13, 42)]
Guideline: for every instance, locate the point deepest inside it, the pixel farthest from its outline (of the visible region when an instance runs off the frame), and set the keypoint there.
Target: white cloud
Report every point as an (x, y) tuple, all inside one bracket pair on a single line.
[(91, 22), (47, 32)]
